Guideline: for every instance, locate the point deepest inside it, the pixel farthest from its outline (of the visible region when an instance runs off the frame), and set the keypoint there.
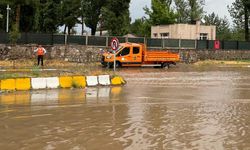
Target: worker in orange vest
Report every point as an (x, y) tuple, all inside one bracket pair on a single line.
[(40, 53)]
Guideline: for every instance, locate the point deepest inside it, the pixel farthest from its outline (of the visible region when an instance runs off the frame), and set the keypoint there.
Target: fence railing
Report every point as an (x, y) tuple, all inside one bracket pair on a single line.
[(104, 41)]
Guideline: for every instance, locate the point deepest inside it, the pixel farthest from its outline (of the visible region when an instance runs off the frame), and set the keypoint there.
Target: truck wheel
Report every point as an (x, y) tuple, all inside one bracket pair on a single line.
[(165, 65), (118, 64), (109, 65), (104, 65)]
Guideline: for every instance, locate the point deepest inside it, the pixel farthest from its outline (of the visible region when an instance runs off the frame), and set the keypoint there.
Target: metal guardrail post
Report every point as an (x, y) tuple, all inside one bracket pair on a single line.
[(65, 39), (52, 39), (163, 43), (107, 41), (87, 40), (179, 43), (195, 44)]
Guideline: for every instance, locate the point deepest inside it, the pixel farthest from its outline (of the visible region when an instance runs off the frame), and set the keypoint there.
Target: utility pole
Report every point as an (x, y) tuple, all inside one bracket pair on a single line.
[(7, 22)]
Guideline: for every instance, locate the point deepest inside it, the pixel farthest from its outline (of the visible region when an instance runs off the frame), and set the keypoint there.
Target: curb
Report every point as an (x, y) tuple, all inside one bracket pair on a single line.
[(25, 84)]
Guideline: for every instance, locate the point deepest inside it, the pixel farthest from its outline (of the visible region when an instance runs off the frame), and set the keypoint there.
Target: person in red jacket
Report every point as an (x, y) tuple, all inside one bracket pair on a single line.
[(40, 53)]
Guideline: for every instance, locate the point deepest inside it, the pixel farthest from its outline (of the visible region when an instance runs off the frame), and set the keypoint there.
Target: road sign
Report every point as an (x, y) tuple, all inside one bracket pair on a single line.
[(114, 44)]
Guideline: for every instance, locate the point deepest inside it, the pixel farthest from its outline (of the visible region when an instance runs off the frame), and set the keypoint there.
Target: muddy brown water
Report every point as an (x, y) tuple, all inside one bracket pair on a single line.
[(179, 108)]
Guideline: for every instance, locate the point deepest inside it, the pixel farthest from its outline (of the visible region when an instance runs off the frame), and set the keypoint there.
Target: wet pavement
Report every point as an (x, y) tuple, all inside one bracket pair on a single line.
[(179, 108)]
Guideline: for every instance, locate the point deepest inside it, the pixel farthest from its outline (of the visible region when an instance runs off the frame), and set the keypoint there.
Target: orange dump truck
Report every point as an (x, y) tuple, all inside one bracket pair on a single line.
[(133, 54)]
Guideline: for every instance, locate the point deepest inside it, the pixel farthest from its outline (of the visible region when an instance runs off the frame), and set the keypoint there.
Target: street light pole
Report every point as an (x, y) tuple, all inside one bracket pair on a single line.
[(7, 22)]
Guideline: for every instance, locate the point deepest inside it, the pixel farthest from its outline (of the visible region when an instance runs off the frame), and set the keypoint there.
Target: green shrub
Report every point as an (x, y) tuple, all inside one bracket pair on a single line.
[(14, 34)]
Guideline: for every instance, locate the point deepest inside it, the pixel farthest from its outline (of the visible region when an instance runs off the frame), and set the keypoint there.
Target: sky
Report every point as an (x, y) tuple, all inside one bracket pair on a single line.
[(217, 6)]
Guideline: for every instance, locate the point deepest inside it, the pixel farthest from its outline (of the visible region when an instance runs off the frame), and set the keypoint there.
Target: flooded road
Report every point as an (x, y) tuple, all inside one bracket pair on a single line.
[(179, 108)]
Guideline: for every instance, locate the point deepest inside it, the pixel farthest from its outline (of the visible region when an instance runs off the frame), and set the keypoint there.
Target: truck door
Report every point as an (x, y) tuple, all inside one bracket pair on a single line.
[(136, 55), (124, 55)]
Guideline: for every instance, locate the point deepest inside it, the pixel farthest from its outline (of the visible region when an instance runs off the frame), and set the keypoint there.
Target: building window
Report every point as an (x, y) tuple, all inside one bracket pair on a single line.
[(155, 34), (165, 35), (203, 36)]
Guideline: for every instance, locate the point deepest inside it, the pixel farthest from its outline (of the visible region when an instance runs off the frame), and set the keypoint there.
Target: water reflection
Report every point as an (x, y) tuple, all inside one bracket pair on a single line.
[(190, 110), (62, 96)]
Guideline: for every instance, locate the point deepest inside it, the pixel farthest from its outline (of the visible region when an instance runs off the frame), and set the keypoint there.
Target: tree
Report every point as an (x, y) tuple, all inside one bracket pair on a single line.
[(161, 13), (195, 10), (141, 27), (222, 26), (247, 4), (47, 17), (92, 11), (115, 15), (181, 7), (18, 4), (240, 13), (70, 12), (2, 18)]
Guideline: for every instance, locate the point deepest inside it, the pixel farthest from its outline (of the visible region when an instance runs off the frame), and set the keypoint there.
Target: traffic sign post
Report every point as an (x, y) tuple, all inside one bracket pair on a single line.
[(114, 45)]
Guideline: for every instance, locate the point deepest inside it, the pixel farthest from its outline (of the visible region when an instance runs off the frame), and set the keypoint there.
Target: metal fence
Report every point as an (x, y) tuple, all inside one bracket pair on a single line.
[(103, 41)]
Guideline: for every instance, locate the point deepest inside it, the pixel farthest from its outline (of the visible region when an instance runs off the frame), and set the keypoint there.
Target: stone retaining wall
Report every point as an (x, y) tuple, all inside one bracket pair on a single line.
[(196, 55), (74, 53), (85, 54)]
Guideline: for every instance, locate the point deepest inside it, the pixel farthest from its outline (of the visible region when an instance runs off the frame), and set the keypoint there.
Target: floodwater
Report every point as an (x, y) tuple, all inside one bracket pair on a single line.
[(179, 108)]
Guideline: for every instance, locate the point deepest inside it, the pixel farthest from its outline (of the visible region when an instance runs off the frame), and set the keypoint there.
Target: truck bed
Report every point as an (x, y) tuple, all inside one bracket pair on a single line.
[(160, 56)]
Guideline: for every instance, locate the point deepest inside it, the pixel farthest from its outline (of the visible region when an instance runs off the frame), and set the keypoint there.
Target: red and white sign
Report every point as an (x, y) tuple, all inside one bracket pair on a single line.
[(114, 44), (217, 44)]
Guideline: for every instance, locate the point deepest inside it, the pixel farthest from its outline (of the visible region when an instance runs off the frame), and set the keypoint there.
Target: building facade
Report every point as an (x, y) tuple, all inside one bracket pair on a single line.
[(184, 31)]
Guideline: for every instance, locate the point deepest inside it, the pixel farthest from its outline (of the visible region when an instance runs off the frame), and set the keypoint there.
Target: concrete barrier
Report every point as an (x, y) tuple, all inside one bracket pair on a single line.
[(52, 82), (117, 80), (92, 81), (56, 82), (104, 79), (23, 84), (38, 83), (65, 82), (8, 84), (79, 81)]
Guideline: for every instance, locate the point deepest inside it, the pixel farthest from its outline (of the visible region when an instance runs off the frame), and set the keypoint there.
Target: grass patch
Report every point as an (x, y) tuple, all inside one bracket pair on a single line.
[(75, 85), (221, 62), (36, 71), (27, 68), (10, 76), (244, 61)]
